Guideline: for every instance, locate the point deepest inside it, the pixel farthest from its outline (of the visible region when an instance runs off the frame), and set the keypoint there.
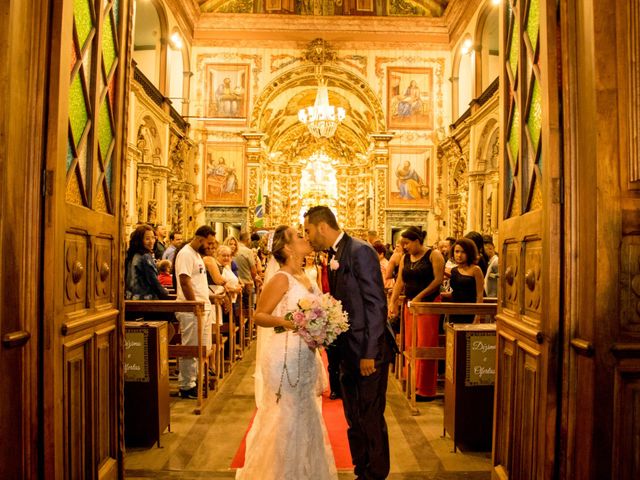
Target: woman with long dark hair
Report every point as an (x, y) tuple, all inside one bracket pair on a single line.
[(420, 276), (141, 274), (467, 281), (481, 260)]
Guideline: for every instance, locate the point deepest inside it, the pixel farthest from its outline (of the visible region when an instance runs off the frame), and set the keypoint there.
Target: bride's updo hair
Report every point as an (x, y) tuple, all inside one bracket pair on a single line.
[(282, 237)]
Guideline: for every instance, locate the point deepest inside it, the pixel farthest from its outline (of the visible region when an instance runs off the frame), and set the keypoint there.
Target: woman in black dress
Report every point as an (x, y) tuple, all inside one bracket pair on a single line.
[(467, 281), (420, 276), (482, 259)]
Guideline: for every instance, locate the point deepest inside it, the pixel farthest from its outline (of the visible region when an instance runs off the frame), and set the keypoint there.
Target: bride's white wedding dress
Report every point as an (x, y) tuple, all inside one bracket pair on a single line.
[(288, 439)]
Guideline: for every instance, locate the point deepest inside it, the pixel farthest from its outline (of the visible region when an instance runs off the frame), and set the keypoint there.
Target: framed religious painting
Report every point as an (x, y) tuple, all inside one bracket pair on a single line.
[(410, 98), (227, 94), (225, 174), (409, 184)]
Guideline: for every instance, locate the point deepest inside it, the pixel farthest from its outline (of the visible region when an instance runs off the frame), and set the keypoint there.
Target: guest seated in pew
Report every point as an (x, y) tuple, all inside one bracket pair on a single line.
[(164, 274), (232, 284), (420, 276), (467, 280), (232, 243), (141, 274)]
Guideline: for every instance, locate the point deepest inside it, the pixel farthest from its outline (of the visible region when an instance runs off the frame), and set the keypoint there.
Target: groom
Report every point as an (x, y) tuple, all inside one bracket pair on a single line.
[(366, 349)]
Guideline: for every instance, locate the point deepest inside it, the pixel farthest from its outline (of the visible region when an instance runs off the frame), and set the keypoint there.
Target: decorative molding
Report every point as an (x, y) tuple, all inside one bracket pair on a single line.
[(633, 93), (284, 60), (533, 281), (424, 33)]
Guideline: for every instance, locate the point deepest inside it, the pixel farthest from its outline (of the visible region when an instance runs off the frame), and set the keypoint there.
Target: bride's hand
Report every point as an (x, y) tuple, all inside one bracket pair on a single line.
[(287, 324)]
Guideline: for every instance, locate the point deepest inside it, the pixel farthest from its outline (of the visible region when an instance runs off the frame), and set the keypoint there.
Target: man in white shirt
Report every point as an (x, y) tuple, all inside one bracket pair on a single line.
[(191, 284)]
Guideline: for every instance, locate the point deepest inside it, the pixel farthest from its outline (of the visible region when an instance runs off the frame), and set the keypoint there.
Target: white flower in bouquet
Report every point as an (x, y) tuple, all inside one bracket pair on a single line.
[(319, 320)]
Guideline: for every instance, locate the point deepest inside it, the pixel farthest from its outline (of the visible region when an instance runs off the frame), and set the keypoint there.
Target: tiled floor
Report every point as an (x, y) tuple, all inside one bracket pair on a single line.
[(203, 446)]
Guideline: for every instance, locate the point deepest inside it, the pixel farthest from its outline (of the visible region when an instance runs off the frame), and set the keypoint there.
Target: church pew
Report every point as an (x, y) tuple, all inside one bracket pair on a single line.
[(414, 353), (201, 352)]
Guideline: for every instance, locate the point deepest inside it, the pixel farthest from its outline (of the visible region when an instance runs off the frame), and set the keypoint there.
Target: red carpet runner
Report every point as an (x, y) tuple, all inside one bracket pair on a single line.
[(336, 427)]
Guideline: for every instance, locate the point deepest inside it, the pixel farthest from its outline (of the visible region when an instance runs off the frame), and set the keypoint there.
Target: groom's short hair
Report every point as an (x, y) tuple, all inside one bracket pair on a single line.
[(322, 213)]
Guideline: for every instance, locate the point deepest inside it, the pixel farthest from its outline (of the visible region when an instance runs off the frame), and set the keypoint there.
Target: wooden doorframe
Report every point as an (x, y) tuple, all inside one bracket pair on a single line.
[(601, 370), (24, 50)]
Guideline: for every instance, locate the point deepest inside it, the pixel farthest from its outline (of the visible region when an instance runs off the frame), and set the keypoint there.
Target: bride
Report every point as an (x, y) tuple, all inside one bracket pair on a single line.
[(288, 439)]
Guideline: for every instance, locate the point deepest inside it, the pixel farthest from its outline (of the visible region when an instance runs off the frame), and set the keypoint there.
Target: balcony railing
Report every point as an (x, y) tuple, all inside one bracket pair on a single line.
[(477, 102), (156, 97)]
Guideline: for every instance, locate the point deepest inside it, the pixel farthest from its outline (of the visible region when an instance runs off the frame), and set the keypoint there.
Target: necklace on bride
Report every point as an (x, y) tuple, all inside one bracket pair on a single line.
[(285, 369), (301, 277)]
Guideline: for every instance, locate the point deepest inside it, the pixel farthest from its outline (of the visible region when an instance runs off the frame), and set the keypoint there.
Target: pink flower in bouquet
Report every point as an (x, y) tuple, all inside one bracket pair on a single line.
[(319, 321)]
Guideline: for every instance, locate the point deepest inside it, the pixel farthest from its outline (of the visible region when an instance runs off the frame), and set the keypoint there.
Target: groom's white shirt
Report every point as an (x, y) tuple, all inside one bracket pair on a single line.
[(335, 245)]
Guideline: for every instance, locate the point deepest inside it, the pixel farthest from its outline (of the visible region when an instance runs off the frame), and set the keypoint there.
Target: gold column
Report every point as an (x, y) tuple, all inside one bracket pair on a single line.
[(253, 152), (380, 166)]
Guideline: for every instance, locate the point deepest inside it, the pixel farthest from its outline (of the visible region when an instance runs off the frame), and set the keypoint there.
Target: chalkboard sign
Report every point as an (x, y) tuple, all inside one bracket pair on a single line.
[(136, 355), (481, 359)]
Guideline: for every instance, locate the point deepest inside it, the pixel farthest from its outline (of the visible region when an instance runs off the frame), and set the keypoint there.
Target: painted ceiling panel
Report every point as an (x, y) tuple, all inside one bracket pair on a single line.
[(403, 8)]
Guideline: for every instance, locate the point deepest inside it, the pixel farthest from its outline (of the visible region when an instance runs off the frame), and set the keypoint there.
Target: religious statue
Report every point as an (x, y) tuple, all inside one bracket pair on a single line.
[(152, 207)]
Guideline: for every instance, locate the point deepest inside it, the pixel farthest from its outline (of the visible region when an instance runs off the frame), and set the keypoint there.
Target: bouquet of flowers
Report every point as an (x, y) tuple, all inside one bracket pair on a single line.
[(319, 320)]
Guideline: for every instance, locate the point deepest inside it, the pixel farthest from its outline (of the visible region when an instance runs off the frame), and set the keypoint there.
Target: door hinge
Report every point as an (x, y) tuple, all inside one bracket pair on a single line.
[(47, 183), (557, 190)]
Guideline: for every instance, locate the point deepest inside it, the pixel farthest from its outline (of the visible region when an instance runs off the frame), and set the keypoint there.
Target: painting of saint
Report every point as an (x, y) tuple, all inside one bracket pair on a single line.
[(409, 178), (227, 87), (224, 174), (410, 98)]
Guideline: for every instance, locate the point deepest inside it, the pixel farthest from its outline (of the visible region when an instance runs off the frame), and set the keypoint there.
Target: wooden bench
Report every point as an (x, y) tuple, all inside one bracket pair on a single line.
[(415, 353), (199, 351)]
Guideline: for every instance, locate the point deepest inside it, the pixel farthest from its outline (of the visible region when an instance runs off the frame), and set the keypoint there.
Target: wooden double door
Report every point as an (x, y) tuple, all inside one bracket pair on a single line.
[(567, 401), (62, 133)]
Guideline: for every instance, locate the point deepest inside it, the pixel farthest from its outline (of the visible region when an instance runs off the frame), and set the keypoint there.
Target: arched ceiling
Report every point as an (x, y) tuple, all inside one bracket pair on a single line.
[(276, 115), (410, 8)]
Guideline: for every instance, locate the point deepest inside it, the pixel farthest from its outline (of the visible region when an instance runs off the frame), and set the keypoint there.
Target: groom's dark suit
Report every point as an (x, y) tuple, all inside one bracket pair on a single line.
[(357, 282)]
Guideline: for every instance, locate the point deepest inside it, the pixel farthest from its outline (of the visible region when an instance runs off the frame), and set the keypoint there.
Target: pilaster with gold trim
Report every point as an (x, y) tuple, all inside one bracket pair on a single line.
[(381, 171), (253, 154)]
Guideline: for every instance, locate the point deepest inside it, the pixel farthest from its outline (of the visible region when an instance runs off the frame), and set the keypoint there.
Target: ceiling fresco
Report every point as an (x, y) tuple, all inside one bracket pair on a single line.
[(382, 8)]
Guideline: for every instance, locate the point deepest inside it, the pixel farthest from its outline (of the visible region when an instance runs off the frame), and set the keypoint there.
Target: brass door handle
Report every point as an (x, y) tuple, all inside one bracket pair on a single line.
[(509, 276), (530, 280), (15, 339)]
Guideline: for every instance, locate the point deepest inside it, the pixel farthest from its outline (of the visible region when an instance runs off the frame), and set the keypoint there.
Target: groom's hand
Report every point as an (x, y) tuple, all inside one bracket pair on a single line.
[(367, 366)]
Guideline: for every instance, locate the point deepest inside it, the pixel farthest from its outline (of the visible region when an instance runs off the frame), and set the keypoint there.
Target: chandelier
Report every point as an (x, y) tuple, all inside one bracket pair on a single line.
[(322, 119)]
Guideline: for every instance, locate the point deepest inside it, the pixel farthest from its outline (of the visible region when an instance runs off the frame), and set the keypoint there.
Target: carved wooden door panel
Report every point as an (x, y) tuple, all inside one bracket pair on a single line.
[(525, 416), (83, 326)]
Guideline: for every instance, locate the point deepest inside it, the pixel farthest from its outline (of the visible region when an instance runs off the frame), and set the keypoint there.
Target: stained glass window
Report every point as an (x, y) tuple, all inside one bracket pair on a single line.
[(533, 22), (534, 120), (523, 108), (90, 148)]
